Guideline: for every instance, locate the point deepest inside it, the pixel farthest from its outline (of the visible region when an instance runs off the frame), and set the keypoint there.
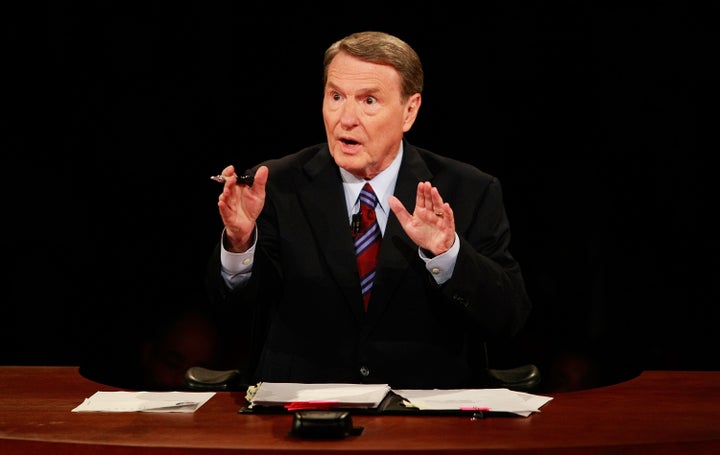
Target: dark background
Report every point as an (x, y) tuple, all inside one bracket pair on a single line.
[(600, 122)]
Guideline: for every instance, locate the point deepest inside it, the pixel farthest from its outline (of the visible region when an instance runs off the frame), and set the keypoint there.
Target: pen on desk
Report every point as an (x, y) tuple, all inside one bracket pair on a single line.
[(474, 408), (476, 412), (185, 403), (244, 179)]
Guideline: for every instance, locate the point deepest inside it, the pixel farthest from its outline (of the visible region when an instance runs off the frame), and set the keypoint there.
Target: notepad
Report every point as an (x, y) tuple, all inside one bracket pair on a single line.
[(317, 395)]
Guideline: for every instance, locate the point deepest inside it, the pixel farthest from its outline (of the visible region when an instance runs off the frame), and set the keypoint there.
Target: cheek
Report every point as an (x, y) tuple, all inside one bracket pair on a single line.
[(330, 121), (329, 112), (387, 129)]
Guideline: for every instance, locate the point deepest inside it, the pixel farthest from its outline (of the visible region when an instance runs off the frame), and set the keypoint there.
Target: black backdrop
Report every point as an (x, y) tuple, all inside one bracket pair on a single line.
[(600, 123)]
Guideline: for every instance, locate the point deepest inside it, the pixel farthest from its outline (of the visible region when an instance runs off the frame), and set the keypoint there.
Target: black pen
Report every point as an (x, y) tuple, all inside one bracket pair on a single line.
[(245, 179)]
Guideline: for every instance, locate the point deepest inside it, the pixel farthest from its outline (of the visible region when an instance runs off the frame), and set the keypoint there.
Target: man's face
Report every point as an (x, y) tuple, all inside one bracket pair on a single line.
[(365, 117)]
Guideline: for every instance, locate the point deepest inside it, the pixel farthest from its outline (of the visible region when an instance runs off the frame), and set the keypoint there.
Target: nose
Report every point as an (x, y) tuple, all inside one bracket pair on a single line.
[(348, 115)]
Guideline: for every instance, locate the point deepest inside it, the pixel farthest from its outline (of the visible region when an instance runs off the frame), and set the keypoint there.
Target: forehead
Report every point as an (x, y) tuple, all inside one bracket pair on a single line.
[(350, 73)]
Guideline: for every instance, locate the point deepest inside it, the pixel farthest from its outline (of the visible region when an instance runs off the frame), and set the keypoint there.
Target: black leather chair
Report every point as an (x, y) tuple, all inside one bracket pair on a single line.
[(523, 378)]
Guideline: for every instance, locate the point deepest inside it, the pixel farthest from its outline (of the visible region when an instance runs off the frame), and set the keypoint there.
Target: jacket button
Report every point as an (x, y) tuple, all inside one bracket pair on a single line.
[(365, 371)]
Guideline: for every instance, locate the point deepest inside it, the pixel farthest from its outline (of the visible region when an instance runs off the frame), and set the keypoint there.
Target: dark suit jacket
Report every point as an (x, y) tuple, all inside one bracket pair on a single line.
[(303, 302)]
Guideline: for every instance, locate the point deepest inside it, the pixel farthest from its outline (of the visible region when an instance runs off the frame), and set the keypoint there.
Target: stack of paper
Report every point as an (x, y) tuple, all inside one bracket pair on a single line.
[(296, 396), (491, 400)]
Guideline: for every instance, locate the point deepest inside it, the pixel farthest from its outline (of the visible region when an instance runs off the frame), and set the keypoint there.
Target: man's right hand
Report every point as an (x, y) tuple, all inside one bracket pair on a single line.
[(239, 206)]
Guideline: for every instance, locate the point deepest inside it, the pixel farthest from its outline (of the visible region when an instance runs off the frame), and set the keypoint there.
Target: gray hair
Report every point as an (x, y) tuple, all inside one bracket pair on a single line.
[(384, 49)]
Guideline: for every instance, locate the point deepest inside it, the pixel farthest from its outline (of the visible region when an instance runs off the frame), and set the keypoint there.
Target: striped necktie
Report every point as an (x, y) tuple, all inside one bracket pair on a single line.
[(367, 241)]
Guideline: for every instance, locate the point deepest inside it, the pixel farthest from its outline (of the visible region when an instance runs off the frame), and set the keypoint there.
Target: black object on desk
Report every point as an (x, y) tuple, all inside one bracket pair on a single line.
[(323, 425)]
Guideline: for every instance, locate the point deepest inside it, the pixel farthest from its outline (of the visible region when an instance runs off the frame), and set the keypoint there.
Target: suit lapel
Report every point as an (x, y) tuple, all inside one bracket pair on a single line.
[(322, 198), (398, 252)]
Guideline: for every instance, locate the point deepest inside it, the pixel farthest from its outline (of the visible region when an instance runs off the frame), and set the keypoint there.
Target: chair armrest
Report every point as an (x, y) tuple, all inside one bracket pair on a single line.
[(200, 378), (524, 378)]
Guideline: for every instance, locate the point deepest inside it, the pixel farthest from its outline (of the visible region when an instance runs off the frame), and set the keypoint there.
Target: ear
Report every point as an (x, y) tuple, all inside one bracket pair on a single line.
[(412, 106)]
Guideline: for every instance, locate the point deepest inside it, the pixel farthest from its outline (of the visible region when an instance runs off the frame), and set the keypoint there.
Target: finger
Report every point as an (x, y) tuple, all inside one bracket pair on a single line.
[(448, 214), (420, 196), (427, 195), (437, 201), (261, 176), (227, 177), (228, 172)]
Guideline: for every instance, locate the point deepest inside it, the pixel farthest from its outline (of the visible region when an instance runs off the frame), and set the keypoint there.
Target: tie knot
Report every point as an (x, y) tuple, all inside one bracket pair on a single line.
[(367, 196)]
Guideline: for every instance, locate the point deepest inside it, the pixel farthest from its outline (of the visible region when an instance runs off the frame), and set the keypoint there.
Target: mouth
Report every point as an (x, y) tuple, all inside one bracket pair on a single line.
[(349, 146), (349, 142)]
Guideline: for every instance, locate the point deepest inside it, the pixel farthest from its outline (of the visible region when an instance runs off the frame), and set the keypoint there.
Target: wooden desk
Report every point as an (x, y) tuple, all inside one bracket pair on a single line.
[(657, 412)]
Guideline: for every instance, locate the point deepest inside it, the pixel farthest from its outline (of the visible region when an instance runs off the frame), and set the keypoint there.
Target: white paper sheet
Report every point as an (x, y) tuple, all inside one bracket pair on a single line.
[(144, 401), (495, 400)]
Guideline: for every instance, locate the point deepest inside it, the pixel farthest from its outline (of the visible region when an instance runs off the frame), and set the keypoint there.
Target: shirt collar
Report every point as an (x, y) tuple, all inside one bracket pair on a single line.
[(383, 184)]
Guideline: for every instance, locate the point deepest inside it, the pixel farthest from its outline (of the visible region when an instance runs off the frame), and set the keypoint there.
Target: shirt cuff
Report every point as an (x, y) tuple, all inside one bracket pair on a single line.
[(441, 267), (236, 267)]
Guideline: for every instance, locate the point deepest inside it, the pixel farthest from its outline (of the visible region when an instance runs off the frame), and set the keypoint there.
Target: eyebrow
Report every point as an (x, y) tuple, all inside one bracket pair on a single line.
[(365, 91)]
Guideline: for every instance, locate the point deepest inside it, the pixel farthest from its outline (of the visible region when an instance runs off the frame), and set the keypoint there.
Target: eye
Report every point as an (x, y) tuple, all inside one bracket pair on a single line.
[(370, 100), (335, 96)]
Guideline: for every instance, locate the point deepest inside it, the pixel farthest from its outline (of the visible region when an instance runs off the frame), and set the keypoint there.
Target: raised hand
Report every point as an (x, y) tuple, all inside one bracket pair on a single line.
[(239, 206), (432, 224)]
